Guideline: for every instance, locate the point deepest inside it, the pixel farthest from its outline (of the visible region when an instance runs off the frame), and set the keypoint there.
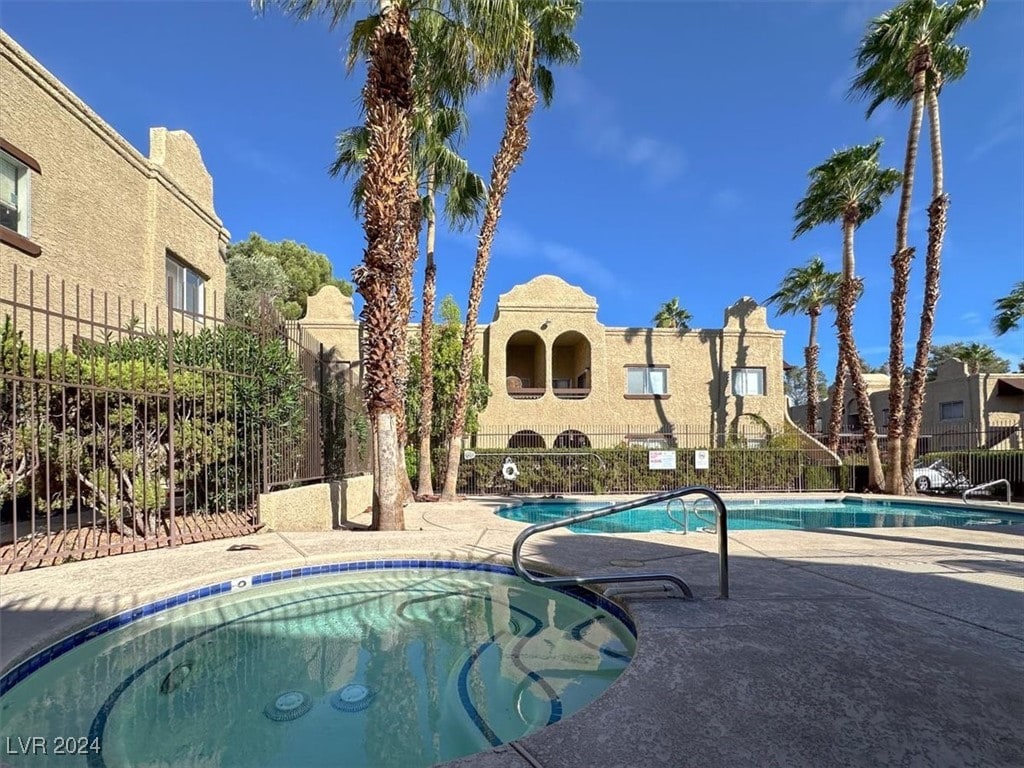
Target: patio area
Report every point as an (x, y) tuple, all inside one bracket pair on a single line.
[(886, 646)]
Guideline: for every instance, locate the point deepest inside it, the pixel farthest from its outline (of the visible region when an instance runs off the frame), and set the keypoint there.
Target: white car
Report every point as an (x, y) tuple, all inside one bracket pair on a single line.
[(938, 476)]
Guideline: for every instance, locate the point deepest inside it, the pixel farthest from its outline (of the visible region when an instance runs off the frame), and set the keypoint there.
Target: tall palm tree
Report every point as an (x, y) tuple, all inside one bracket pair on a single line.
[(850, 188), (1009, 311), (807, 291), (906, 57), (544, 38), (389, 197), (438, 169), (672, 315), (391, 213)]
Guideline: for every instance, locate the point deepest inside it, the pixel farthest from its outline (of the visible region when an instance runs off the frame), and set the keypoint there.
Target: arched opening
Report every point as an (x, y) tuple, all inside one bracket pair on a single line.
[(572, 438), (526, 438), (570, 366), (751, 431), (525, 365)]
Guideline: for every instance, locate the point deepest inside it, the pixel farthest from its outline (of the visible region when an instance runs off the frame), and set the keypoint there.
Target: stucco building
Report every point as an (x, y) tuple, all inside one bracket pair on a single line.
[(82, 205), (559, 378), (961, 409)]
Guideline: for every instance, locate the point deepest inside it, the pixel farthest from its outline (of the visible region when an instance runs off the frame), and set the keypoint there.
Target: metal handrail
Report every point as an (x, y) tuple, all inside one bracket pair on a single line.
[(611, 509), (989, 484)]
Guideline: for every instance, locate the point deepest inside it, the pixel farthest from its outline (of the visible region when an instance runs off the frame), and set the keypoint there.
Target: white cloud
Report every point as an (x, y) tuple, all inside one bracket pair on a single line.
[(603, 133), (566, 260)]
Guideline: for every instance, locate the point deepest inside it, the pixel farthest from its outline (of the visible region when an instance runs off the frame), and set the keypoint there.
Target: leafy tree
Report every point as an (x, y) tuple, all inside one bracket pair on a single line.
[(672, 315), (980, 358), (544, 37), (446, 353), (1009, 311), (807, 291), (299, 273), (907, 56), (795, 384), (849, 188)]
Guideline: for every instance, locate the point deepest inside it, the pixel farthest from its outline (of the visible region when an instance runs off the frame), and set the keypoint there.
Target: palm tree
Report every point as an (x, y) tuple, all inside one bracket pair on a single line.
[(391, 213), (849, 188), (437, 167), (545, 37), (906, 56), (671, 315), (807, 291), (389, 197), (1010, 311), (978, 357)]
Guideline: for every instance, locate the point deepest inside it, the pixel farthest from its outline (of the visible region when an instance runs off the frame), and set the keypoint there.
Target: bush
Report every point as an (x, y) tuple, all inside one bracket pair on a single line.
[(95, 426), (618, 470)]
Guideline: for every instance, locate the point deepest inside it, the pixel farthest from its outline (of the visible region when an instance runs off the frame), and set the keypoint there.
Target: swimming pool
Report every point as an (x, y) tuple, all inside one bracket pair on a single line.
[(404, 666), (761, 514)]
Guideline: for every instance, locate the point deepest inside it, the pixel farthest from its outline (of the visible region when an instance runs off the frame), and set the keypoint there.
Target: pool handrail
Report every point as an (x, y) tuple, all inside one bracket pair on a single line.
[(983, 486), (721, 529)]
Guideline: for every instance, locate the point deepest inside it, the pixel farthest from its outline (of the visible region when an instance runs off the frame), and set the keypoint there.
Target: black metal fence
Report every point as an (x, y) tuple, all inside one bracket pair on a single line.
[(126, 426), (640, 460)]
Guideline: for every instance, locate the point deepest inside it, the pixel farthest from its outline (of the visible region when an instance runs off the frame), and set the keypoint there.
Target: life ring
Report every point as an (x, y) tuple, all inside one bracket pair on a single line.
[(509, 470)]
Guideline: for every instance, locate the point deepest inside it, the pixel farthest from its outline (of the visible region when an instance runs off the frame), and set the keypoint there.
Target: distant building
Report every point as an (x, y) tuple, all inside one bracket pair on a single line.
[(961, 409), (82, 205), (561, 379)]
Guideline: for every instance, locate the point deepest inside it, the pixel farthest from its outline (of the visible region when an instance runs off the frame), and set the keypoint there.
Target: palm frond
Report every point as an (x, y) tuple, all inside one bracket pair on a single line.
[(335, 11)]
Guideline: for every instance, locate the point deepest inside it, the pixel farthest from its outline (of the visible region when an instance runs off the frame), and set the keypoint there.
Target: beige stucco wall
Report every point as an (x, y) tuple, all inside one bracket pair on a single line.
[(102, 213), (699, 364), (318, 507)]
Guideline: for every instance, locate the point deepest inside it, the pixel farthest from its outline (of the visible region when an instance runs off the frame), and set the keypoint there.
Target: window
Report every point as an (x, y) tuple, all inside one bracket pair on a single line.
[(646, 381), (560, 383), (747, 381), (885, 417), (187, 286), (952, 410), (14, 195)]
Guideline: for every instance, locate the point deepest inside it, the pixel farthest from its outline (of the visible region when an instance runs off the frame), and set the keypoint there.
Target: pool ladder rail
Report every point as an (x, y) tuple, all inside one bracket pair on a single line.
[(721, 530), (989, 484)]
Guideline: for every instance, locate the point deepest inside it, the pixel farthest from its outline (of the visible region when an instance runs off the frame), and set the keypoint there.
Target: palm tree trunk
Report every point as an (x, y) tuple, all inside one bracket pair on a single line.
[(425, 482), (900, 278), (410, 247), (388, 101), (937, 211), (521, 101), (811, 360), (835, 416), (848, 350)]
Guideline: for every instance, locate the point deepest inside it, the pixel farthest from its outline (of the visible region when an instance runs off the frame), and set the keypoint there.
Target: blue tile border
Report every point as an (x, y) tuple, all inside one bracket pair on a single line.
[(72, 641)]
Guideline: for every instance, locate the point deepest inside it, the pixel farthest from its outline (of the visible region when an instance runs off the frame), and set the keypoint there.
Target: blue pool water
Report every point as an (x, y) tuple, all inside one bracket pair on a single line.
[(766, 514), (400, 667)]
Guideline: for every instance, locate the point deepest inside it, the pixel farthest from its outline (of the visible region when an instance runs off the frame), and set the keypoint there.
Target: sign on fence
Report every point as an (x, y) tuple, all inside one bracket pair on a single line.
[(701, 459), (661, 459)]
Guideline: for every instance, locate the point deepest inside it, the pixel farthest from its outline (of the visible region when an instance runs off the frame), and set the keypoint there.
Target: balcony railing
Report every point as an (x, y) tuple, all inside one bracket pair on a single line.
[(572, 393), (526, 393)]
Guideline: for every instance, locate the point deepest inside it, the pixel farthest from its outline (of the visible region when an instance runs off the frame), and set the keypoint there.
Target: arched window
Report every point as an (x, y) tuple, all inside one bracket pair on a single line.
[(572, 438), (526, 438), (570, 366), (525, 365)]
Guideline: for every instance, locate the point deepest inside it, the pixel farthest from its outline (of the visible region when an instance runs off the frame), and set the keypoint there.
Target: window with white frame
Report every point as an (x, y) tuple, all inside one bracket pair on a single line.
[(14, 195), (747, 381), (187, 286), (644, 380), (951, 410)]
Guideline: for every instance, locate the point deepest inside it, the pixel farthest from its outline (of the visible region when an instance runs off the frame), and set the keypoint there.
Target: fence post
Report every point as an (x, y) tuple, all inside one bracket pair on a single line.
[(171, 407)]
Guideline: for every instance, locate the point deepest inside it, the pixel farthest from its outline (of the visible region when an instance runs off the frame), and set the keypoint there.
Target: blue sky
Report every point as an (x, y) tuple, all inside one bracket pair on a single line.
[(668, 166)]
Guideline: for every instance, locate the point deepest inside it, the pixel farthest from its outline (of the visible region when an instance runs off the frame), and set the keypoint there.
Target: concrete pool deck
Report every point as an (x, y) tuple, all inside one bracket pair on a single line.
[(856, 647)]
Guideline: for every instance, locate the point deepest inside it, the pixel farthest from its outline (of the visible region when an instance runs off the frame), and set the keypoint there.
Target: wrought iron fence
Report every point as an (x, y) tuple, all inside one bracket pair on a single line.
[(126, 426), (638, 460)]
